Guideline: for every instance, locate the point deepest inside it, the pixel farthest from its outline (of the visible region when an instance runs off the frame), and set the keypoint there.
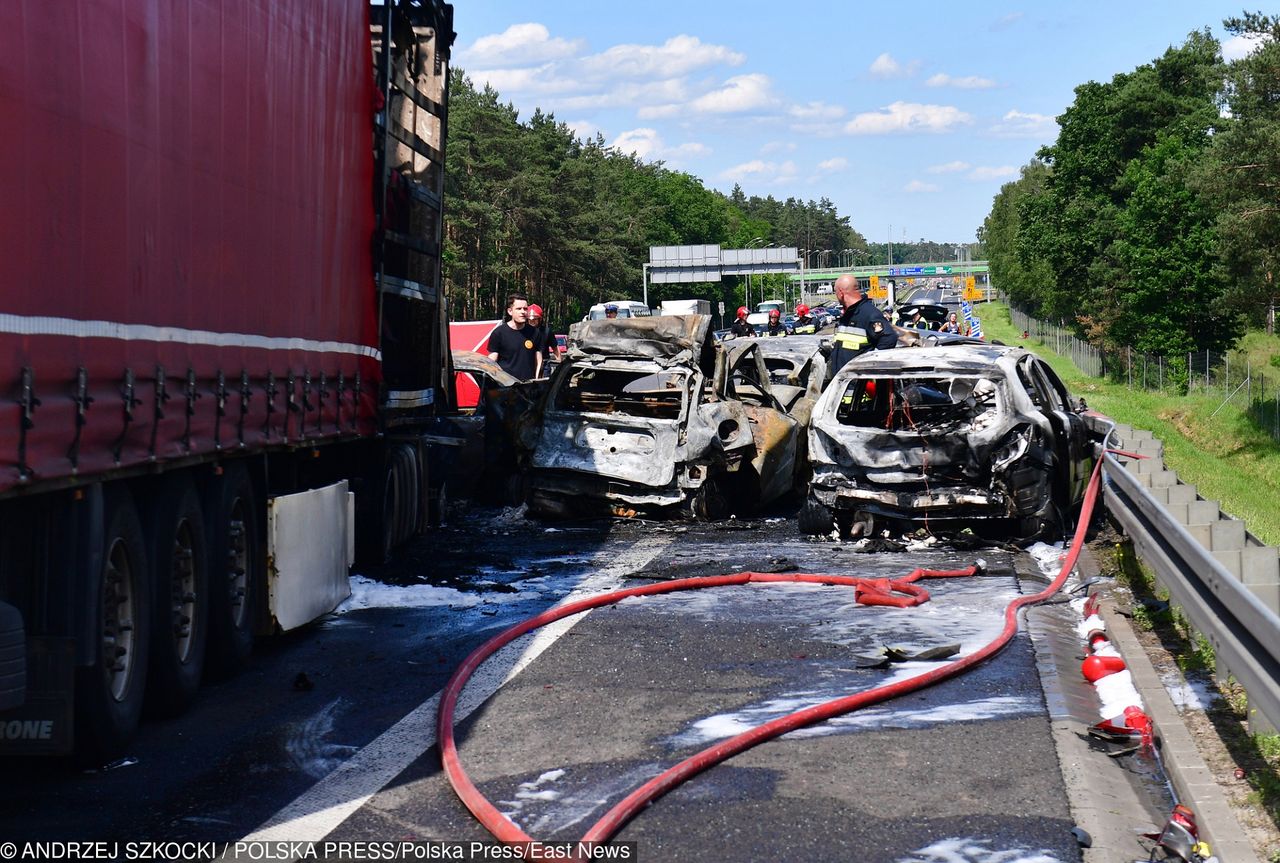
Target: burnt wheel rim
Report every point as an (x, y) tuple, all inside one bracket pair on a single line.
[(119, 615), (182, 591)]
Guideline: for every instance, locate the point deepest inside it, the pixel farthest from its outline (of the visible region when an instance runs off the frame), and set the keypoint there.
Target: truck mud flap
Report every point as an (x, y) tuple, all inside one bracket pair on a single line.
[(42, 724)]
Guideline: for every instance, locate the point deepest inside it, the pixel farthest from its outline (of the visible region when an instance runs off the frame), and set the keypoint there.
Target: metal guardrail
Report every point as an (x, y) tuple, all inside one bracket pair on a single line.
[(1244, 633)]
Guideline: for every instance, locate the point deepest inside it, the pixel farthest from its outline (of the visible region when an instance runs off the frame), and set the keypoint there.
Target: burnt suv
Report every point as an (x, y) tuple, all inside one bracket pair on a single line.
[(948, 437)]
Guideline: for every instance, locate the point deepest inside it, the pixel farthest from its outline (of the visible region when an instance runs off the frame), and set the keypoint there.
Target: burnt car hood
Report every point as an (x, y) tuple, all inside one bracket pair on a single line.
[(967, 409), (666, 339), (472, 362), (609, 441)]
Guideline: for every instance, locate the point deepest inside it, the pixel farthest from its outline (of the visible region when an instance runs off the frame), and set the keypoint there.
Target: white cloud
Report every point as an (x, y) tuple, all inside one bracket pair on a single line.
[(1241, 46), (908, 117), (1021, 124), (993, 173), (740, 93), (831, 166), (759, 169), (586, 130), (539, 79), (885, 66), (949, 168), (519, 45), (968, 82), (648, 144), (659, 112), (657, 96), (679, 55), (816, 111), (916, 186), (1007, 21), (778, 147)]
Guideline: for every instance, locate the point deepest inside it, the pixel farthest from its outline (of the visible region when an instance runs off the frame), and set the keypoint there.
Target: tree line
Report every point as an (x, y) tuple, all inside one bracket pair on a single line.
[(1153, 221), (532, 208)]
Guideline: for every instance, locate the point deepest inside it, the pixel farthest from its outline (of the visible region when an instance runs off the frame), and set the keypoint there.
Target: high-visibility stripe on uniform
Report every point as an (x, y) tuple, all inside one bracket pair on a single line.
[(852, 338)]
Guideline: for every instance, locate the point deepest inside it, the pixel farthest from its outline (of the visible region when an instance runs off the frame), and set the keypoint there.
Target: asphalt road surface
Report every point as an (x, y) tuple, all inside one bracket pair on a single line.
[(330, 734)]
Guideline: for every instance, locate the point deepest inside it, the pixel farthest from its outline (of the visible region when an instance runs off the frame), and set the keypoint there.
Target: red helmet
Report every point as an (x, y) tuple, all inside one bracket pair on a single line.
[(535, 310), (742, 311), (802, 309), (774, 313)]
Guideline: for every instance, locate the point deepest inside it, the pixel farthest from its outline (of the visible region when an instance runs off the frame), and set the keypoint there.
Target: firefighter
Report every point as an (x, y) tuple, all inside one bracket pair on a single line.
[(862, 327), (740, 326), (803, 323), (775, 327)]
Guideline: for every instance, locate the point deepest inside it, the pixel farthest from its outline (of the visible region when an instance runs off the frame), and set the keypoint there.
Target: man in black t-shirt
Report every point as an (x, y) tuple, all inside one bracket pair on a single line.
[(514, 344)]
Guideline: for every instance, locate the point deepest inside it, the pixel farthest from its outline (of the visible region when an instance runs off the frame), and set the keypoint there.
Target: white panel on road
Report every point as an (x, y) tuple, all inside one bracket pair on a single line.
[(309, 550)]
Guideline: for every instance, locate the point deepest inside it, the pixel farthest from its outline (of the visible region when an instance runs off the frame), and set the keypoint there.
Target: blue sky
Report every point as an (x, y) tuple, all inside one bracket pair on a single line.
[(907, 115)]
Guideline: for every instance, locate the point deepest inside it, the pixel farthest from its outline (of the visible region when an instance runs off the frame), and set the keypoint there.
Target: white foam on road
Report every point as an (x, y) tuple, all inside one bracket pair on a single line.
[(1188, 694), (324, 806), (970, 850)]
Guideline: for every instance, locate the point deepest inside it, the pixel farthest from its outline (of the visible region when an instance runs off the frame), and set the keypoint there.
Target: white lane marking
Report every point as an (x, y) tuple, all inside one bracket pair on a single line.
[(320, 809)]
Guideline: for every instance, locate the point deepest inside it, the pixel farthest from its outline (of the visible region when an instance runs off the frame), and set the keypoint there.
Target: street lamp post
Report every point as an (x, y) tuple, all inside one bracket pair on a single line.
[(747, 295)]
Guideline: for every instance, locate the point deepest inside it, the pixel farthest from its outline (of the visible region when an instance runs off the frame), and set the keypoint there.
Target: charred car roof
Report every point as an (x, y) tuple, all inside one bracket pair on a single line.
[(668, 339)]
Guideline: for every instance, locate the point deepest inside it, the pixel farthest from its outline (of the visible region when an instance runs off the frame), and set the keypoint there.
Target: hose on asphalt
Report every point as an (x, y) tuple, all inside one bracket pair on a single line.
[(898, 592)]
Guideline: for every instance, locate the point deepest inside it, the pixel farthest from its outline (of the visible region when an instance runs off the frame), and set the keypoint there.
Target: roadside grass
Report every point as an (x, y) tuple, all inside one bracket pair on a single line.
[(1224, 454)]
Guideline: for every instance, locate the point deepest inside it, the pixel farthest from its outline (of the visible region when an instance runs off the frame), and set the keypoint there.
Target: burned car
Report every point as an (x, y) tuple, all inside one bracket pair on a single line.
[(645, 415), (947, 436), (796, 361)]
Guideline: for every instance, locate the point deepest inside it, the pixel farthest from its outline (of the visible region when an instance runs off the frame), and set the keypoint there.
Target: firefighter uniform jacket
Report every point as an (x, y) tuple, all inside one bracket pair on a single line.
[(861, 328)]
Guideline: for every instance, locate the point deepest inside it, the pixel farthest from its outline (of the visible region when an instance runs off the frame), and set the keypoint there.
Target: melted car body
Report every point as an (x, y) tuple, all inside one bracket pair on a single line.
[(947, 434), (643, 415)]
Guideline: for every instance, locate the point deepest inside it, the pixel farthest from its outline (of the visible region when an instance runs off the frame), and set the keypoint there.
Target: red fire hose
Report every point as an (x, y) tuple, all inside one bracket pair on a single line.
[(899, 592)]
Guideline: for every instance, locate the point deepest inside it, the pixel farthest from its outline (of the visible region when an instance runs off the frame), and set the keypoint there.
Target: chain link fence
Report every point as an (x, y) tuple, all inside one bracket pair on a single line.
[(1228, 375)]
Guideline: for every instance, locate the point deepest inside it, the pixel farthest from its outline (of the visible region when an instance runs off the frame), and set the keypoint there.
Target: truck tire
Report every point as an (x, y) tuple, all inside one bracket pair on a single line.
[(13, 660), (237, 581), (110, 691), (180, 604)]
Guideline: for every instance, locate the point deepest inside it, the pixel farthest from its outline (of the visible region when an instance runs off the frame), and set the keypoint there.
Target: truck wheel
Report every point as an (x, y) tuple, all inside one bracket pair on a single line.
[(180, 608), (109, 693), (13, 660), (236, 583), (816, 519)]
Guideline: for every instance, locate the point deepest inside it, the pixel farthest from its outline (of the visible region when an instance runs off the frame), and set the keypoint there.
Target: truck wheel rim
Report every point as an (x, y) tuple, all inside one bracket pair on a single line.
[(182, 593), (119, 611), (237, 564)]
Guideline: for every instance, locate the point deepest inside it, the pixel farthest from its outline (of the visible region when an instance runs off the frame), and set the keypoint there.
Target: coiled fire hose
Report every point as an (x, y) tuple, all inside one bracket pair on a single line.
[(900, 592)]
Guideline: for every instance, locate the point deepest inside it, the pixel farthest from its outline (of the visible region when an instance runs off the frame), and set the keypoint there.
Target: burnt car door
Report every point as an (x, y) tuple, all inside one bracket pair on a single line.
[(1071, 436), (741, 375)]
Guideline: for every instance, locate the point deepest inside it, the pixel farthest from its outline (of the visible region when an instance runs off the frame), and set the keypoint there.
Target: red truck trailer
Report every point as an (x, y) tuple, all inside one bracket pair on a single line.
[(222, 341)]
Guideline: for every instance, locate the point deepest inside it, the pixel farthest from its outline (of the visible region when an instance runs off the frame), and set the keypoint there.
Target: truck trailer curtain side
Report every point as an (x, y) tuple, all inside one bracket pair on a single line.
[(219, 296)]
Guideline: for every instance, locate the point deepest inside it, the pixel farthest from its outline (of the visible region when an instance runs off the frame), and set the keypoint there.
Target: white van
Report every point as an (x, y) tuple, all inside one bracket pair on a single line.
[(626, 309), (760, 317)]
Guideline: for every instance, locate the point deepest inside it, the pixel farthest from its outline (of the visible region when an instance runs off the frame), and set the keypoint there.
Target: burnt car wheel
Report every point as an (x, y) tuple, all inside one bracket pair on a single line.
[(1046, 525), (708, 503), (816, 519)]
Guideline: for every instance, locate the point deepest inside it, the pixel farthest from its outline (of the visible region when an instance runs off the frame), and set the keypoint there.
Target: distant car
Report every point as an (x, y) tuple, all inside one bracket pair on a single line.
[(953, 435), (947, 298), (562, 344), (626, 309), (648, 416)]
